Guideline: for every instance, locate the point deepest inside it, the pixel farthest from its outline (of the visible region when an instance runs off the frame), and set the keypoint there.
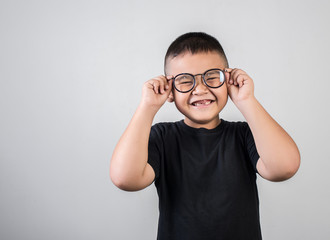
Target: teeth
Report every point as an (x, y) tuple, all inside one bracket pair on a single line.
[(205, 103)]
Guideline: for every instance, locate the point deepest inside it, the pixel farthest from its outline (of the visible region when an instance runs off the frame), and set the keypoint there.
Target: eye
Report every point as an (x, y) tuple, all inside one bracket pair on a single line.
[(210, 79), (184, 80), (214, 78)]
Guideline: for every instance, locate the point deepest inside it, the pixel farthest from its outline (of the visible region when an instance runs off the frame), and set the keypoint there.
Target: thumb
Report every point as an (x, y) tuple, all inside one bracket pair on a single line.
[(168, 87), (169, 77), (227, 74), (232, 91), (169, 82)]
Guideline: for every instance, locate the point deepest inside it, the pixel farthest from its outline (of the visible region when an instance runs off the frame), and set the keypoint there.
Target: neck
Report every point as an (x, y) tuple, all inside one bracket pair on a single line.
[(208, 125)]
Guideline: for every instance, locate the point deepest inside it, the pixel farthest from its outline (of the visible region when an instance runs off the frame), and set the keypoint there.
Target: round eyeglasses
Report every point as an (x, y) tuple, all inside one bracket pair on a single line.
[(185, 82)]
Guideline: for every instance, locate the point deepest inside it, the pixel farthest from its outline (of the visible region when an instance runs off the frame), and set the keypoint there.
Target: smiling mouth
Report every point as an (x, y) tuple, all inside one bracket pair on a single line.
[(202, 103)]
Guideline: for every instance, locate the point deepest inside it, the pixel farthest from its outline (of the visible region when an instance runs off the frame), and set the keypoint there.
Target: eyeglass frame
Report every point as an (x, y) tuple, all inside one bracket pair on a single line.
[(193, 76)]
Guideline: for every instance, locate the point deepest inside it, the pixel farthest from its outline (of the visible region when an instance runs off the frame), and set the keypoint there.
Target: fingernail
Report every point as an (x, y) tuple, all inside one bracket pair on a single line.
[(166, 86)]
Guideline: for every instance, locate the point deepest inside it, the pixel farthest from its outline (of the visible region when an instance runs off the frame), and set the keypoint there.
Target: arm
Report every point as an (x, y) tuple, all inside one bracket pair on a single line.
[(279, 155), (129, 169)]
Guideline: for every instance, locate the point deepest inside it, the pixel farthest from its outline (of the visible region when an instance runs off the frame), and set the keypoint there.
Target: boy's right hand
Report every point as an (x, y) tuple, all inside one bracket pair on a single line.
[(156, 91)]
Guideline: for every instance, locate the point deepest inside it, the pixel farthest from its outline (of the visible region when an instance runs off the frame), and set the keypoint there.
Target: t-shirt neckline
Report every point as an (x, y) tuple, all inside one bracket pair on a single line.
[(202, 130)]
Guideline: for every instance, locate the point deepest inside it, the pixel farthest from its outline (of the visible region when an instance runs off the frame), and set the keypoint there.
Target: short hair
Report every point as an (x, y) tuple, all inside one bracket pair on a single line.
[(194, 42)]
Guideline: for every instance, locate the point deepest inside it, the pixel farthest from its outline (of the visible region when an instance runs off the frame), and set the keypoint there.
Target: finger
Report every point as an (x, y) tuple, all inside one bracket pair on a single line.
[(240, 79), (168, 82), (169, 85), (170, 97), (227, 75), (155, 84), (236, 72), (162, 83), (161, 86), (228, 70), (232, 91), (165, 81), (235, 75)]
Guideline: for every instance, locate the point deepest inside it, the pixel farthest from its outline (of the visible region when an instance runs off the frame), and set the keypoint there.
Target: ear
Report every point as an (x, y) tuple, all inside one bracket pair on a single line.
[(170, 97)]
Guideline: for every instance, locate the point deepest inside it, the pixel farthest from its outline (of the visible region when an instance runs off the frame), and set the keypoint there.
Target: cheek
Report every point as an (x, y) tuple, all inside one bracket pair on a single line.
[(180, 107), (224, 89), (180, 100), (221, 93), (179, 97)]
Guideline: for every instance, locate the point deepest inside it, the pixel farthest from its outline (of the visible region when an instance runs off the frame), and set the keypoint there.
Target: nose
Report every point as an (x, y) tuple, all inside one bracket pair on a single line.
[(200, 88)]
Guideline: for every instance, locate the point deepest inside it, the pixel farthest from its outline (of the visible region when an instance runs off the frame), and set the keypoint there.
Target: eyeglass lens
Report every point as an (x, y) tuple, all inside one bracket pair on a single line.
[(213, 78)]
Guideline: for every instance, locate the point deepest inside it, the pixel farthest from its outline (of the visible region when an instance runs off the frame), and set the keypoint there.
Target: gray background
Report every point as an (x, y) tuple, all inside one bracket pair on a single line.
[(71, 77)]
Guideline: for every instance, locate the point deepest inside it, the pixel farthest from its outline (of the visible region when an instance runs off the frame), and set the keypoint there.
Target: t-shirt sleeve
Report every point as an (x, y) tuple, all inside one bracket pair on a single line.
[(251, 147), (154, 150)]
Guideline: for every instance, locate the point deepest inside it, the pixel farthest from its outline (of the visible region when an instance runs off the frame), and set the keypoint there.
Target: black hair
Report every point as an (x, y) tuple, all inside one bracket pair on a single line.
[(194, 42)]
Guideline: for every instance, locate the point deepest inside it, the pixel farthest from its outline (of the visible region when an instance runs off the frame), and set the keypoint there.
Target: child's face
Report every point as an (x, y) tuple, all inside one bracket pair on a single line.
[(202, 105)]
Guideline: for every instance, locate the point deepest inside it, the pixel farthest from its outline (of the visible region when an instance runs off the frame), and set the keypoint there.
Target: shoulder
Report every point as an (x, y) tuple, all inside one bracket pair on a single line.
[(164, 134), (238, 130), (166, 126), (236, 126)]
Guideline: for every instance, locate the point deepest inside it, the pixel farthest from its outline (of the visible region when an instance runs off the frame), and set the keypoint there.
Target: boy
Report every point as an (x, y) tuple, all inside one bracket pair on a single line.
[(204, 167)]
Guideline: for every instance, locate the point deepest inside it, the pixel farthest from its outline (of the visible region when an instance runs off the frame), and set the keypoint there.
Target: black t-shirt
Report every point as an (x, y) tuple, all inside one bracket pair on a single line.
[(206, 181)]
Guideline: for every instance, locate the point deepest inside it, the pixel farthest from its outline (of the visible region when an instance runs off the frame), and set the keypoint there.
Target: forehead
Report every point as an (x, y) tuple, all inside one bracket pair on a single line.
[(194, 63)]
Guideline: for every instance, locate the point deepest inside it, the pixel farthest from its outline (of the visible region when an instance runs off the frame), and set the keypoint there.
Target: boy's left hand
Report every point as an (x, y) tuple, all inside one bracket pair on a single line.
[(240, 86)]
